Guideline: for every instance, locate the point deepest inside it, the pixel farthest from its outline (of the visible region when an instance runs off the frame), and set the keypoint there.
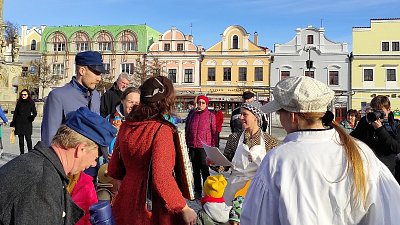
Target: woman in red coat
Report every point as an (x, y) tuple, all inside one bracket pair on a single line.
[(144, 138)]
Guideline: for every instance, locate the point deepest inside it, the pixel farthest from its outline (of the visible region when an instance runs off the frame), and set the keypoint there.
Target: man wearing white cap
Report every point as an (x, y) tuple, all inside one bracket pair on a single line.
[(319, 175)]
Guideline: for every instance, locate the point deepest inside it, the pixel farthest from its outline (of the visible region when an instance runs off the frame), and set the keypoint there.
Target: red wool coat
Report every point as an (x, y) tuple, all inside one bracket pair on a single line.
[(134, 141)]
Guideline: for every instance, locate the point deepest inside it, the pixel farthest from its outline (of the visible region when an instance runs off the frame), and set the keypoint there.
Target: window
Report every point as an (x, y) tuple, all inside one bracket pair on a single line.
[(127, 68), (82, 46), (188, 76), (179, 47), (391, 74), (167, 47), (107, 67), (172, 75), (333, 77), (368, 74), (258, 74), (395, 46), (128, 41), (227, 74), (235, 42), (385, 46), (24, 71), (33, 45), (310, 39), (58, 40), (309, 74), (242, 73), (59, 47), (285, 74), (58, 69), (104, 46), (128, 46), (211, 74)]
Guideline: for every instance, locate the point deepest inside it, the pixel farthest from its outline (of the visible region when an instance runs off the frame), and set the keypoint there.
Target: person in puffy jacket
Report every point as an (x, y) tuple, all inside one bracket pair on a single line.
[(201, 127)]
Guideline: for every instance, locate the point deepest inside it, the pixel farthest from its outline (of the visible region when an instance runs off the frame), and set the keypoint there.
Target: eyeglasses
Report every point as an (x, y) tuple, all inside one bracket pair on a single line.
[(24, 94)]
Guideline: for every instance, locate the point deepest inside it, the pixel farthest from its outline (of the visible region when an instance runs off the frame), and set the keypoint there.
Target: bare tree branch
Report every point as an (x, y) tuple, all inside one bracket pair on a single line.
[(11, 32), (42, 74), (146, 68)]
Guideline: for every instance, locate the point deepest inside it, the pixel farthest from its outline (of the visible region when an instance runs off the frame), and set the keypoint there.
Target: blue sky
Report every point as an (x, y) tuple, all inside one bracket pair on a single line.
[(275, 21)]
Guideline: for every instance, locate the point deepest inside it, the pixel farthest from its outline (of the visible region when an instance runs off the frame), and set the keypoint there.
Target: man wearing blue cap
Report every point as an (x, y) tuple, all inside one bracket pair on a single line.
[(77, 93), (33, 185)]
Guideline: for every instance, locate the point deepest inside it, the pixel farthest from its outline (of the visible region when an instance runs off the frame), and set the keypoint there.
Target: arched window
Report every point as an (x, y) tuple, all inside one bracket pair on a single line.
[(105, 41), (235, 42), (58, 41), (82, 41), (128, 41), (33, 45)]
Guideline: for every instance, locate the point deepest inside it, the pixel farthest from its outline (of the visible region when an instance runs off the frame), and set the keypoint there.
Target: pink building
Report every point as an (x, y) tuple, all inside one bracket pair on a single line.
[(180, 59)]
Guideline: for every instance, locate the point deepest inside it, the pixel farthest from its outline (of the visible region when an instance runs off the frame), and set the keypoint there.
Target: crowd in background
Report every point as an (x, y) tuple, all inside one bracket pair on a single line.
[(319, 173)]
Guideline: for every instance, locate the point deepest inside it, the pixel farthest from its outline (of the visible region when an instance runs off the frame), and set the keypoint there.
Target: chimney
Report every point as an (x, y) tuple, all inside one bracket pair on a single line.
[(256, 38), (42, 28)]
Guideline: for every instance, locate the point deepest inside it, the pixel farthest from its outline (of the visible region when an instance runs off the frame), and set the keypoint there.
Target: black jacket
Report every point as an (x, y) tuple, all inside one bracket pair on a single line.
[(24, 115), (385, 142), (235, 124), (33, 190), (110, 100)]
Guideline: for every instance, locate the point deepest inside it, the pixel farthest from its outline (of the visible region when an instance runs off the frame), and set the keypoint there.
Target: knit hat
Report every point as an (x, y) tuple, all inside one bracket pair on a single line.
[(203, 97), (247, 95), (255, 108), (300, 94), (234, 214), (214, 186), (155, 89)]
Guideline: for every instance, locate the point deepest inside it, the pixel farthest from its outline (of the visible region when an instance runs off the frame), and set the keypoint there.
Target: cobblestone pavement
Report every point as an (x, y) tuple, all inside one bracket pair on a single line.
[(10, 151)]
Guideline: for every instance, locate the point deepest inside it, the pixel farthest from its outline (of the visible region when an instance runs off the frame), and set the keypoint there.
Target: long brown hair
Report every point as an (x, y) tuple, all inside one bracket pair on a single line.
[(353, 154)]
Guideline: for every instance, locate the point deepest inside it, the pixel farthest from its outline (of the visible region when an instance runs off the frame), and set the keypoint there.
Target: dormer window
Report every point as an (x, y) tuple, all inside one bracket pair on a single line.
[(235, 42), (33, 45), (310, 39)]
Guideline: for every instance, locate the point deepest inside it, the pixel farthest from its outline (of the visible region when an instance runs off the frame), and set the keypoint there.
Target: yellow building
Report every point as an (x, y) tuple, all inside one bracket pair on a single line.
[(29, 51), (233, 65), (375, 62)]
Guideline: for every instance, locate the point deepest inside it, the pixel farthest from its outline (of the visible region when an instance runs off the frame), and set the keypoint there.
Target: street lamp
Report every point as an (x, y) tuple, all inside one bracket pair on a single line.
[(309, 62)]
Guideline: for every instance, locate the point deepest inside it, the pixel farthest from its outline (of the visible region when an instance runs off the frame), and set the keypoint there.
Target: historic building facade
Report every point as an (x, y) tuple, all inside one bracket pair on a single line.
[(330, 64), (120, 46), (375, 62), (180, 60), (30, 41), (233, 65)]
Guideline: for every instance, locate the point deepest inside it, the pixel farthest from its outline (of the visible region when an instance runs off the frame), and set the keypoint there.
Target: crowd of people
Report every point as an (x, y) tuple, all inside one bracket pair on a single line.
[(323, 172)]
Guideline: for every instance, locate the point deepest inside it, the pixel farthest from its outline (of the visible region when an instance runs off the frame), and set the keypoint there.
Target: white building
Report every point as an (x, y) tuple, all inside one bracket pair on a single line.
[(330, 64)]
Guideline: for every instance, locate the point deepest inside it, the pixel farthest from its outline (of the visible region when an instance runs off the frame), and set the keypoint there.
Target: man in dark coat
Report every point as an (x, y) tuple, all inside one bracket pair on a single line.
[(33, 185), (112, 97), (381, 135), (235, 124)]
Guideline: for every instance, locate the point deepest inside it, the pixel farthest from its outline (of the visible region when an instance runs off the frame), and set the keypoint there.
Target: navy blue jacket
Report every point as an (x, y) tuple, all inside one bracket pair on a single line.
[(62, 101)]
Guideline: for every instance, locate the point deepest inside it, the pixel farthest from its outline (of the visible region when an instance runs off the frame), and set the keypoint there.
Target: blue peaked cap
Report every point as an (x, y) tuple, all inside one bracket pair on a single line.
[(91, 59), (92, 126)]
